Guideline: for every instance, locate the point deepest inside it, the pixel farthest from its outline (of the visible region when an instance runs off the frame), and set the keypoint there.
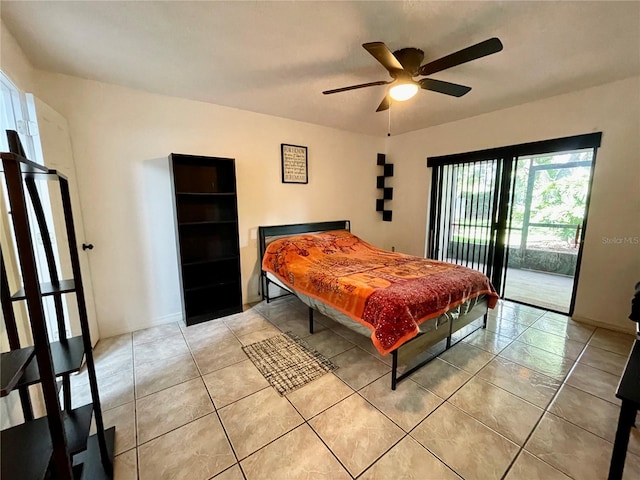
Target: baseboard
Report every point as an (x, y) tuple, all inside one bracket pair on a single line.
[(171, 318), (609, 326)]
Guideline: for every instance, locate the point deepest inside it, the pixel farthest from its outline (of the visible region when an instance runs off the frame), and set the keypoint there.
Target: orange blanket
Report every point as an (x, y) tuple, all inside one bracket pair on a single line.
[(390, 293)]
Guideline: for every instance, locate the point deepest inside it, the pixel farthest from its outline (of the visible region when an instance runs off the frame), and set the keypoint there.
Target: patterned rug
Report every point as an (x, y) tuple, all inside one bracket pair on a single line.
[(287, 362)]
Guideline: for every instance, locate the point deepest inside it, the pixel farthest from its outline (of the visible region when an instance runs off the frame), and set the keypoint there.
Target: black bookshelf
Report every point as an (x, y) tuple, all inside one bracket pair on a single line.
[(206, 218)]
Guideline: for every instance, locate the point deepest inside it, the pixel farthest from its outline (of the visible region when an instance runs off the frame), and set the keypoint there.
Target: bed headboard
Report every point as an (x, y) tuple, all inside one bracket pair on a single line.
[(267, 233)]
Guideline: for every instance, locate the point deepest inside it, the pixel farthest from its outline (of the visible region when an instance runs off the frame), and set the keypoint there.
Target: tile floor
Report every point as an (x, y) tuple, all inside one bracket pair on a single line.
[(531, 397)]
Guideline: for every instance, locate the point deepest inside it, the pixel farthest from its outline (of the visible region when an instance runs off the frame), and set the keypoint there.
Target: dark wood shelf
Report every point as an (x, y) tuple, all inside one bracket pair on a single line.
[(26, 448), (207, 222), (211, 260), (207, 194), (48, 289), (77, 423), (26, 451), (204, 286), (12, 366), (67, 358), (91, 461)]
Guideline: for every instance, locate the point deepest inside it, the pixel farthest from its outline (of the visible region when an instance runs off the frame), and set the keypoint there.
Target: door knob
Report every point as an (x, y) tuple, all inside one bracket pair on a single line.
[(87, 246)]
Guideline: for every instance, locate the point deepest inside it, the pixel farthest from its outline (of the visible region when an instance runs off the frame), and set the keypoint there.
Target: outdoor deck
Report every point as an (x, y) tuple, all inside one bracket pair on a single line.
[(540, 289), (545, 290)]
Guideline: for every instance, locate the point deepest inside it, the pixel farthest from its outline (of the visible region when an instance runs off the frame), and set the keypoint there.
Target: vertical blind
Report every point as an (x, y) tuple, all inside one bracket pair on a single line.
[(461, 217)]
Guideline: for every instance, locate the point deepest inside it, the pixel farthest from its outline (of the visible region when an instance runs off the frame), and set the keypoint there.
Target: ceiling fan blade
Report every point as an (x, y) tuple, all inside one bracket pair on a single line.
[(354, 87), (447, 88), (381, 53), (482, 49), (385, 104)]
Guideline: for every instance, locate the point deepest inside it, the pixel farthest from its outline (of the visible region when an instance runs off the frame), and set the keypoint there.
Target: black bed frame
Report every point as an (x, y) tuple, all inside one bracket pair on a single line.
[(419, 343), (285, 230)]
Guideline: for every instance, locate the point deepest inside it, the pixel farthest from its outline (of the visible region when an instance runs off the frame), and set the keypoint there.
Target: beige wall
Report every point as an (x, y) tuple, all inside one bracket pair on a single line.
[(609, 270), (121, 140), (13, 61)]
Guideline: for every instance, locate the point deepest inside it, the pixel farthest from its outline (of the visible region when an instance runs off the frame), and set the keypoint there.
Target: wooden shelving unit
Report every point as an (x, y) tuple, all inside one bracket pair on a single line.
[(48, 289), (206, 217), (57, 445), (66, 356)]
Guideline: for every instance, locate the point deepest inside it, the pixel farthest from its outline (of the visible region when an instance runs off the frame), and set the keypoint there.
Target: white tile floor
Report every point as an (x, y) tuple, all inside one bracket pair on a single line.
[(531, 397)]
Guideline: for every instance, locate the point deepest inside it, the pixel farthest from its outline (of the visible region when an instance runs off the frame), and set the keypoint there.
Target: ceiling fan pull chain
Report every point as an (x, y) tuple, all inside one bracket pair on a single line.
[(389, 129)]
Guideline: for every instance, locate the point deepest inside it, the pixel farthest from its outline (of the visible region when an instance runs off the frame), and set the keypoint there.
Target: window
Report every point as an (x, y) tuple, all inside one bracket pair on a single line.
[(18, 113)]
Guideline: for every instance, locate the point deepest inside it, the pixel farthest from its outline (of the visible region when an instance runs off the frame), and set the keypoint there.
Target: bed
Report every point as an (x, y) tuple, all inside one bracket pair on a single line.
[(405, 304)]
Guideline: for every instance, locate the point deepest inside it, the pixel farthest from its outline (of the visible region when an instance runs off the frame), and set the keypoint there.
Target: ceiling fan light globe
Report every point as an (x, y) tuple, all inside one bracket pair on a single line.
[(403, 91)]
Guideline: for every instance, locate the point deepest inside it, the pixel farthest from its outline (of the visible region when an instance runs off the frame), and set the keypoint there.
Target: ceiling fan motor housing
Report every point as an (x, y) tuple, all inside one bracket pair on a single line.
[(410, 59)]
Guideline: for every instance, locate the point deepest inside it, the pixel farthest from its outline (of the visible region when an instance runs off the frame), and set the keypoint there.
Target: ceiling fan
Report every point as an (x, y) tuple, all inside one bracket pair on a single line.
[(404, 64)]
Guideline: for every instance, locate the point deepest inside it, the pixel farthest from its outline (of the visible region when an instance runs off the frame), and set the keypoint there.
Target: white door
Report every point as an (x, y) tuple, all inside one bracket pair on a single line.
[(57, 153), (44, 134)]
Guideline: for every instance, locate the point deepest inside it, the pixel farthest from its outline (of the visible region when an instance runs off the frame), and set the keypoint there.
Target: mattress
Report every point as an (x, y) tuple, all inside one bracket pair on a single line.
[(441, 322)]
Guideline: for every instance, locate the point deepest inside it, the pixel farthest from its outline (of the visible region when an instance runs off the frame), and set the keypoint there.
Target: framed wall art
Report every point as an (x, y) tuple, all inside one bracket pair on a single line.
[(294, 164)]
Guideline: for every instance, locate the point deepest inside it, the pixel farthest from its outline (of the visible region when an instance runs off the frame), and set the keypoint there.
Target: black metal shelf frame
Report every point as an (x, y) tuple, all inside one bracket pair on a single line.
[(66, 430)]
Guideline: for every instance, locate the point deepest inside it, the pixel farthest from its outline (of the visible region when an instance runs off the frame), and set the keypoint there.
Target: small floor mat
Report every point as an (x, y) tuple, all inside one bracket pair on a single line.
[(287, 362)]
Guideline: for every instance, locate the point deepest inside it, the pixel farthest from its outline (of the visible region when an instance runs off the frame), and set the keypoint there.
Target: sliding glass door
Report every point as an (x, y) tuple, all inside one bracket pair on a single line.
[(512, 212), (548, 212)]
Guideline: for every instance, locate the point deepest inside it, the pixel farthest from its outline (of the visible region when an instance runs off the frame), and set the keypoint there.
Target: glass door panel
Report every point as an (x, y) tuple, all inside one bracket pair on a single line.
[(545, 232)]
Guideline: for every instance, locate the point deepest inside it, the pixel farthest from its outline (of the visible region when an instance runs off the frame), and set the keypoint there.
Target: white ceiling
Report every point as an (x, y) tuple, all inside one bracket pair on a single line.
[(277, 57)]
